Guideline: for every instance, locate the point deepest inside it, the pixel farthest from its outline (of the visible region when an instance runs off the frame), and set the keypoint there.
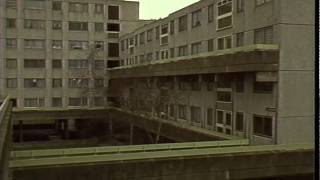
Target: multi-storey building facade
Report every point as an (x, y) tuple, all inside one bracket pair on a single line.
[(241, 67), (54, 53)]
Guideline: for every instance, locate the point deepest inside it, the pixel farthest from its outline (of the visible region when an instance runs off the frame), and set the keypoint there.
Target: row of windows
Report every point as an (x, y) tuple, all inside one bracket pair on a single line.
[(113, 48), (261, 36), (56, 64), (75, 7), (224, 20), (57, 102), (262, 125), (56, 83), (57, 25)]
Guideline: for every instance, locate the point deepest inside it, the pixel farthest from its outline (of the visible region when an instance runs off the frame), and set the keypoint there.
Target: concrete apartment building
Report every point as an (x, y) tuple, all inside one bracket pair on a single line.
[(54, 53), (241, 67)]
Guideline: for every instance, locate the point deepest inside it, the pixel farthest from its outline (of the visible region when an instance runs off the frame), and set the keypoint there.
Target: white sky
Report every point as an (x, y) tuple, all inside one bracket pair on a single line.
[(155, 9)]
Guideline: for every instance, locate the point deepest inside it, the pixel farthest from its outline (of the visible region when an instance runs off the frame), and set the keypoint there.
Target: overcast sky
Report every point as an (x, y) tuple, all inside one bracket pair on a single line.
[(155, 9)]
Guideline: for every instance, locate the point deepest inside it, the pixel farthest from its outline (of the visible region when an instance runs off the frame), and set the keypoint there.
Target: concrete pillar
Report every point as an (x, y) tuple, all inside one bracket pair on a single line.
[(110, 127), (131, 133), (20, 131), (71, 125)]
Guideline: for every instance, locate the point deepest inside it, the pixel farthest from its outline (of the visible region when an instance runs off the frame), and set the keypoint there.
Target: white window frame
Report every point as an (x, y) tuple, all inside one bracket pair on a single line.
[(164, 35), (222, 3), (224, 42)]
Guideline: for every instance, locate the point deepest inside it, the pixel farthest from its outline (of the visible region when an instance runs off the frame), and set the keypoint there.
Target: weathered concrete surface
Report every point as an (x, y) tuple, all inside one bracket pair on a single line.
[(251, 58), (224, 163)]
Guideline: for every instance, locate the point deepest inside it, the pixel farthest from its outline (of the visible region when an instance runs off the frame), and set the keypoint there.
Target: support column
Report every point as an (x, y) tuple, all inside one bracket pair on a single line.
[(20, 131), (65, 129), (110, 127), (131, 133)]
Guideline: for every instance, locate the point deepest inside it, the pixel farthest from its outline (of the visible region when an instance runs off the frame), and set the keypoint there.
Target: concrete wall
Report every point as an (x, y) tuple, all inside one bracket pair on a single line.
[(296, 72), (129, 14), (248, 102), (2, 46)]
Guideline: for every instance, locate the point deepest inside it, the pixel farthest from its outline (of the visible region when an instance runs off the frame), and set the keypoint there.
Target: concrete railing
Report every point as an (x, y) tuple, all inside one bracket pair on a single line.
[(5, 137), (27, 154)]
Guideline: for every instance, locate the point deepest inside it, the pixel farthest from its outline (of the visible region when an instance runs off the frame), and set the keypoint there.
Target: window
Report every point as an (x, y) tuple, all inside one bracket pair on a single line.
[(196, 18), (141, 35), (239, 39), (78, 101), (98, 27), (261, 2), (239, 81), (11, 43), (164, 54), (149, 35), (56, 44), (56, 64), (224, 19), (11, 63), (56, 102), (122, 45), (12, 4), (136, 40), (195, 84), (98, 101), (113, 12), (195, 48), (99, 45), (78, 83), (98, 9), (219, 117), (223, 96), (183, 50), (171, 52), (157, 55), (210, 45), (224, 81), (34, 63), (34, 83), (11, 23), (149, 57), (195, 114), (240, 5), (263, 35), (157, 32), (56, 83), (210, 13), (34, 43), (141, 58), (98, 64), (33, 102), (113, 49), (56, 25), (56, 5), (98, 83), (80, 45), (78, 7), (224, 42), (182, 112), (164, 38), (172, 27), (209, 116), (239, 121), (34, 24), (113, 27), (263, 87), (78, 26), (78, 64), (12, 83), (183, 23), (262, 125)]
